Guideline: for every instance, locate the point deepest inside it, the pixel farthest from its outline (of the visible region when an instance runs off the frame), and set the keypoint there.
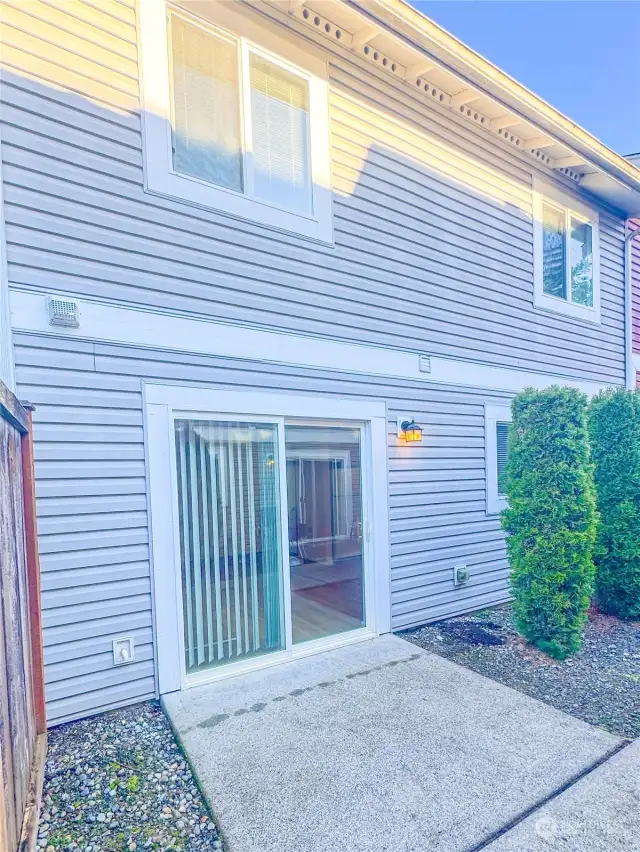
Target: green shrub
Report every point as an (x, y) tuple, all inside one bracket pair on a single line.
[(551, 519), (614, 426)]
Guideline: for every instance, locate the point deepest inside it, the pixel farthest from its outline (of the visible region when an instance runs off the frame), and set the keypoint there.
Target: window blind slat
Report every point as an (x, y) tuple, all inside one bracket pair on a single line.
[(279, 123), (206, 105)]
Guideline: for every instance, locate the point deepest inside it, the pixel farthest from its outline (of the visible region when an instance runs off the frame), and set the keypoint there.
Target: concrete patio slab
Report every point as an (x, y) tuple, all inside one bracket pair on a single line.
[(600, 812), (375, 746)]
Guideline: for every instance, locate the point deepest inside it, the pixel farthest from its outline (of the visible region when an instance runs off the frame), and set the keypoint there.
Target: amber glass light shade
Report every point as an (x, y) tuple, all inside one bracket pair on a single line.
[(411, 432)]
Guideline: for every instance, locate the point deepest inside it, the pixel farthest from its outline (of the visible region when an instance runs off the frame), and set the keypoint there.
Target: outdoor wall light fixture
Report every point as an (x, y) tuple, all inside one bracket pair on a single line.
[(410, 431)]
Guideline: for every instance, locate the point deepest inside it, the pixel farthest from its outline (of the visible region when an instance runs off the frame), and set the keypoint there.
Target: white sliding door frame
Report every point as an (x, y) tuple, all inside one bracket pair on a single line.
[(164, 404)]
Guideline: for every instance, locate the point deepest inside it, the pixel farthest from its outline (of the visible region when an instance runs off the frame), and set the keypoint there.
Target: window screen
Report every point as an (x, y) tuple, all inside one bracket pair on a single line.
[(280, 135), (206, 105), (502, 437)]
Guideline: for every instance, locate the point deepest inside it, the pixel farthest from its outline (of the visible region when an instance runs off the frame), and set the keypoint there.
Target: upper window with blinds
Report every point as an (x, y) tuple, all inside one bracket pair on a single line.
[(231, 124), (566, 255)]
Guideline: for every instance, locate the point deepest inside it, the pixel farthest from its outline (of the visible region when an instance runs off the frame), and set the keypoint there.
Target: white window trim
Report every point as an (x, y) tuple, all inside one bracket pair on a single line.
[(159, 176), (494, 414), (543, 191)]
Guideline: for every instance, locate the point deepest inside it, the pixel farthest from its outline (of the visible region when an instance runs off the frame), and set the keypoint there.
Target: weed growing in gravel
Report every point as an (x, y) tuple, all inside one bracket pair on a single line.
[(133, 784)]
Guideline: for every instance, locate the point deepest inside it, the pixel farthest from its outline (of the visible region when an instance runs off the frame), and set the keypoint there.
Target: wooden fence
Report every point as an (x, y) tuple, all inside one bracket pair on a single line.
[(22, 712)]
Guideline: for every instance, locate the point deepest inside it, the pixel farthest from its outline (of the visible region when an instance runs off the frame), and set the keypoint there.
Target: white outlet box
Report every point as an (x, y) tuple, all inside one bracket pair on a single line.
[(460, 575), (124, 651)]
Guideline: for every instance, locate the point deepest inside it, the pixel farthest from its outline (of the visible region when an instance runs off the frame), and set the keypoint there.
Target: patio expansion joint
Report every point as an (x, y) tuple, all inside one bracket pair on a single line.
[(532, 809)]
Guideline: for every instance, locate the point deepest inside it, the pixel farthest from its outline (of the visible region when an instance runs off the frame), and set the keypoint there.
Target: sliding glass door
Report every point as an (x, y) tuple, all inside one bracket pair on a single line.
[(229, 517), (270, 519), (324, 503)]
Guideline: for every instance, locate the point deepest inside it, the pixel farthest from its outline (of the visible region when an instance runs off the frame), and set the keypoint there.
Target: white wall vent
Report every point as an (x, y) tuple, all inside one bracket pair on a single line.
[(63, 312), (123, 650)]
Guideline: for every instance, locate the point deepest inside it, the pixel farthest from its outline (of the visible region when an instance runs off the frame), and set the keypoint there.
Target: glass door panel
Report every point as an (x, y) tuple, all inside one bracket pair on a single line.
[(324, 509), (229, 515)]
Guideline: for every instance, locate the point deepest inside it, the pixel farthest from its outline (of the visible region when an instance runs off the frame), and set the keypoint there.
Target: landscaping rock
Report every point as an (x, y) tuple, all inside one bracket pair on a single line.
[(119, 783), (600, 684)]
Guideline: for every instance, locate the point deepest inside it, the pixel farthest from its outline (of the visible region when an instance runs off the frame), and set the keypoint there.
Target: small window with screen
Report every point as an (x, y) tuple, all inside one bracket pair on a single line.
[(566, 257), (502, 440), (497, 423)]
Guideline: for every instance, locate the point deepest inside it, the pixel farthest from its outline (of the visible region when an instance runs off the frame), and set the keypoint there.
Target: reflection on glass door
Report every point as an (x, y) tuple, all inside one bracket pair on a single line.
[(324, 506), (229, 513)]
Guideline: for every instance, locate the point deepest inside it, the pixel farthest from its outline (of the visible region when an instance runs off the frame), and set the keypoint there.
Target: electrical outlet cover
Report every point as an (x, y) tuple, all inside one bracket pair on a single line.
[(460, 575), (123, 651)]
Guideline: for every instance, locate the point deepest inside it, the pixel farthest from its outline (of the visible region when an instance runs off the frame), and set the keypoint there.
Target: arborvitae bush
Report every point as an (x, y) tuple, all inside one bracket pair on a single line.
[(614, 426), (551, 518)]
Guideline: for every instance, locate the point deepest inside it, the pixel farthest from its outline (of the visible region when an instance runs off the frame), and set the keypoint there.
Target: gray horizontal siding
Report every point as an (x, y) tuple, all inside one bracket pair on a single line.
[(92, 520), (92, 525), (432, 215)]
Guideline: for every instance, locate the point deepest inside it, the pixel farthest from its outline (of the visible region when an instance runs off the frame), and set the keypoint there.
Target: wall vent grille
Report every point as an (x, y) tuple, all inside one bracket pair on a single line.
[(433, 92), (322, 25), (376, 57), (63, 312), (570, 173)]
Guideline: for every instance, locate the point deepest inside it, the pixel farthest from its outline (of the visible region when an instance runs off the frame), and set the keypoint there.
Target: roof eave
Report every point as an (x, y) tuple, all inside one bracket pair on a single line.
[(616, 179)]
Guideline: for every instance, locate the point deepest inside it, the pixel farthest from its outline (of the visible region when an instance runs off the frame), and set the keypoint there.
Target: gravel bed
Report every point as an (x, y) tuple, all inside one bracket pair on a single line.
[(121, 782), (600, 685)]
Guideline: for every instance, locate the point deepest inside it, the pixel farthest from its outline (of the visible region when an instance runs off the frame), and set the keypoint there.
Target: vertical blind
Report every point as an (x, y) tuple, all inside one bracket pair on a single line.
[(279, 122), (206, 105), (228, 510)]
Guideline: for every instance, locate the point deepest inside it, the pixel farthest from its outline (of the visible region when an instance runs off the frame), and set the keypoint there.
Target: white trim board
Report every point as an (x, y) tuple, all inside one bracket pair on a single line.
[(148, 329)]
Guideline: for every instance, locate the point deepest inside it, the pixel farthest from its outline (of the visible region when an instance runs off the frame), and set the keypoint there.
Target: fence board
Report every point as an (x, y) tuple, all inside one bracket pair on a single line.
[(17, 710)]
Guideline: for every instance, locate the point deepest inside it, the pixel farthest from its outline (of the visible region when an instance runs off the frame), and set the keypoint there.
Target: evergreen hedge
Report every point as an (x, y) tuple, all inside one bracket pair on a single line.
[(551, 519), (614, 426)]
